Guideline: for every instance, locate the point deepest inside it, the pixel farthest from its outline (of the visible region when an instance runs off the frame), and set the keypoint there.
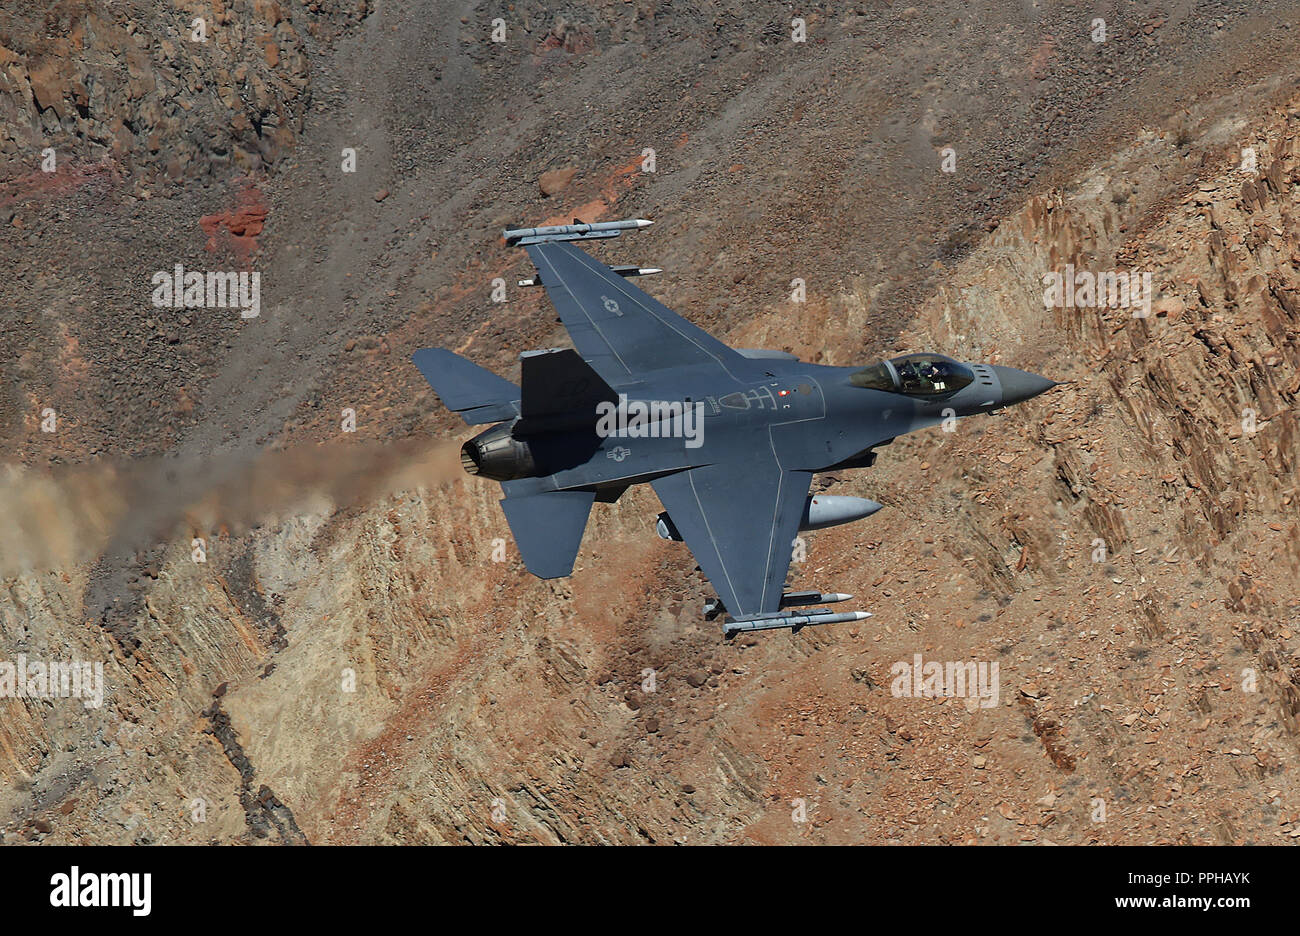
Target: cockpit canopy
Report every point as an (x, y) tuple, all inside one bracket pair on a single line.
[(915, 375)]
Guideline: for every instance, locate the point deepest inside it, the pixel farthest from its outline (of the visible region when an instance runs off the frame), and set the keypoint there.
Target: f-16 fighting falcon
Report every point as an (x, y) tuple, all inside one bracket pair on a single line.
[(729, 438)]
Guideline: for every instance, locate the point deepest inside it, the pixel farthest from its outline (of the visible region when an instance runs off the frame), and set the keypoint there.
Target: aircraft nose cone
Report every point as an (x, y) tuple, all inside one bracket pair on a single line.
[(1018, 385)]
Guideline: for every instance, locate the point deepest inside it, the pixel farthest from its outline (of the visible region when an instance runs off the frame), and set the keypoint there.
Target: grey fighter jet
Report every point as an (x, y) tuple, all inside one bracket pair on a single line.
[(728, 438)]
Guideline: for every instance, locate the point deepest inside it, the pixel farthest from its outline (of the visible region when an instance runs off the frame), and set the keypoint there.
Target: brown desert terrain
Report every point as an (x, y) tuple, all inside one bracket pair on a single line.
[(361, 657)]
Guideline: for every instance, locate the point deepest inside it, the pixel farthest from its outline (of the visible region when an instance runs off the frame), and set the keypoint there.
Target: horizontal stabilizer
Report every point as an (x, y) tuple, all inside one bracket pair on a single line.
[(478, 395), (548, 529)]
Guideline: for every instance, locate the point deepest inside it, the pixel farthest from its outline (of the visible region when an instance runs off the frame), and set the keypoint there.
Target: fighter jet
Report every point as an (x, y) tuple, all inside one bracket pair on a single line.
[(728, 438)]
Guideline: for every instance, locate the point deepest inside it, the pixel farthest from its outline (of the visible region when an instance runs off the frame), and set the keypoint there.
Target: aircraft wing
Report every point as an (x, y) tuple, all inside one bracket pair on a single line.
[(740, 521), (619, 330)]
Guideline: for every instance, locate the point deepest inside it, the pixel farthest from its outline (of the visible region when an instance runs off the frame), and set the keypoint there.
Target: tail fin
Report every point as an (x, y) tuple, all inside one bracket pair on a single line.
[(478, 395), (548, 529), (559, 381)]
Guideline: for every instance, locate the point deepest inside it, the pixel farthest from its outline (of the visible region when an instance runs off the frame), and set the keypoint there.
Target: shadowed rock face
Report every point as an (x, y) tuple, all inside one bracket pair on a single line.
[(325, 636), (223, 91)]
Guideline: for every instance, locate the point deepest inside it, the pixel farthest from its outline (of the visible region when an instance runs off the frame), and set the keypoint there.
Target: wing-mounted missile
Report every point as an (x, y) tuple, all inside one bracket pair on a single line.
[(577, 231), (795, 620), (789, 600), (795, 614), (598, 230), (801, 598)]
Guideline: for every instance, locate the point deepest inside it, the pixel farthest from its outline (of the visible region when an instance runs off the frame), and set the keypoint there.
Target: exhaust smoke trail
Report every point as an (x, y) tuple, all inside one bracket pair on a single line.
[(61, 518)]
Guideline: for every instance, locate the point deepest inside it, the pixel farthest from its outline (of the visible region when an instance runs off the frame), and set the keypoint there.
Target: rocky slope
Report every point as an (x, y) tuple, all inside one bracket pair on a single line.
[(351, 663)]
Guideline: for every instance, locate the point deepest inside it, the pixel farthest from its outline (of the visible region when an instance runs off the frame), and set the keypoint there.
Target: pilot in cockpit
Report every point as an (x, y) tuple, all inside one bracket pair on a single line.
[(916, 375)]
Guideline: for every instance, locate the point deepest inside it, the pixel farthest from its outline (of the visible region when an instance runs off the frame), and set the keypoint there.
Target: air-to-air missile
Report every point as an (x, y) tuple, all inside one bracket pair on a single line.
[(798, 599), (779, 620), (789, 600), (522, 237)]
